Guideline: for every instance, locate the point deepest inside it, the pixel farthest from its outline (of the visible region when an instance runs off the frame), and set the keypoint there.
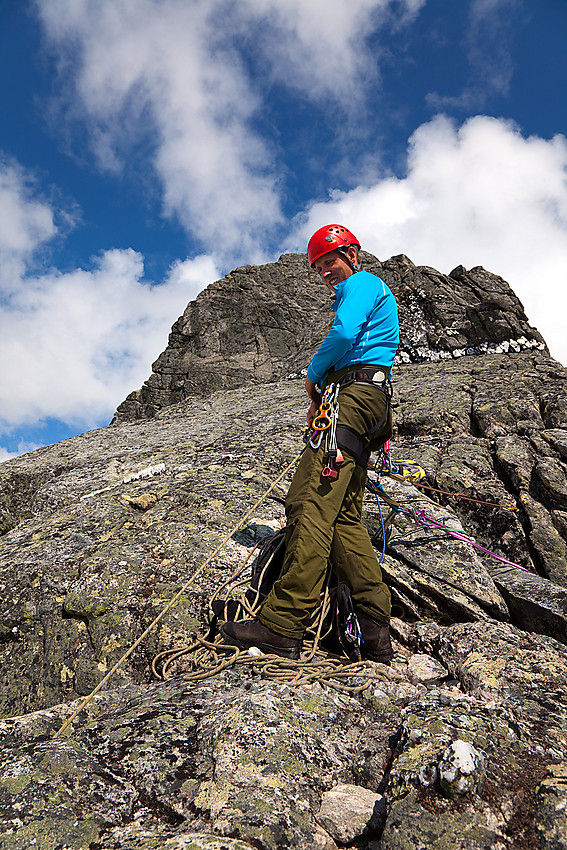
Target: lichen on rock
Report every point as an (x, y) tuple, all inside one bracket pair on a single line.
[(461, 742)]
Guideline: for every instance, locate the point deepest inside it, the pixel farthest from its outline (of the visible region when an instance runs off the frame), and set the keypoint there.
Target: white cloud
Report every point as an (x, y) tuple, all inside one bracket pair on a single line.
[(491, 28), (320, 47), (192, 77), (74, 344), (25, 223), (23, 448), (481, 194)]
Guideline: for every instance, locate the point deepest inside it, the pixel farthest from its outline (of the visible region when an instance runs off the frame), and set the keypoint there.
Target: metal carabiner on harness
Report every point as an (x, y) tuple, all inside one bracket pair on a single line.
[(313, 438), (322, 420)]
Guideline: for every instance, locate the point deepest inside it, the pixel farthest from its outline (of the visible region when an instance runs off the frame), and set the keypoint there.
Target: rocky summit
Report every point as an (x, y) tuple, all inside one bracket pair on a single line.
[(460, 743)]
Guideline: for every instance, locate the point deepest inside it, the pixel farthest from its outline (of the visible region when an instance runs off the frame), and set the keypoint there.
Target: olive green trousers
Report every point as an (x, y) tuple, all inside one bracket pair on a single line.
[(324, 520)]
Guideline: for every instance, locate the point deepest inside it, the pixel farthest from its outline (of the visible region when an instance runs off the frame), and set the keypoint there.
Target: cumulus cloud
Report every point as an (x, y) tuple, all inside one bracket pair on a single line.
[(74, 344), (478, 194), (149, 68), (192, 77)]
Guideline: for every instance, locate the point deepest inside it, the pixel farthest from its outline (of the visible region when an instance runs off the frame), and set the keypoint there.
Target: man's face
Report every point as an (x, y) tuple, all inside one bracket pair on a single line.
[(333, 268)]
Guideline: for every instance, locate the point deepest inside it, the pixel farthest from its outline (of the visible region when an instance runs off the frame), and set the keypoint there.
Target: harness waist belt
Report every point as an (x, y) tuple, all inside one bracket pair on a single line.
[(376, 375)]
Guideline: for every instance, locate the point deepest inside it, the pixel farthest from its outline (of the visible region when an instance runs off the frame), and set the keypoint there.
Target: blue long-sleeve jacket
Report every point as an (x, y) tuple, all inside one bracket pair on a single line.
[(365, 330)]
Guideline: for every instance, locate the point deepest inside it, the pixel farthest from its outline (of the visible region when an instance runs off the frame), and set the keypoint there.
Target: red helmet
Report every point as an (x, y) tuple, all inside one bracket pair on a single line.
[(332, 237)]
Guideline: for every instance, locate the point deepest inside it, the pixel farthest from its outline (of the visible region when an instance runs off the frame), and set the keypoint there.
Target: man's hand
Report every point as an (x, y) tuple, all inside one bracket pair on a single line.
[(311, 413), (311, 391), (315, 400)]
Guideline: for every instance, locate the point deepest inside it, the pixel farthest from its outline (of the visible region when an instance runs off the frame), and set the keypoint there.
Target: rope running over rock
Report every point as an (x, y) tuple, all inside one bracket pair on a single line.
[(208, 658)]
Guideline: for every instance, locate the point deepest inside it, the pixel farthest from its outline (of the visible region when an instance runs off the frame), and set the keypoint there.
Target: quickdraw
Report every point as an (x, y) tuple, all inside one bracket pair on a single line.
[(325, 425)]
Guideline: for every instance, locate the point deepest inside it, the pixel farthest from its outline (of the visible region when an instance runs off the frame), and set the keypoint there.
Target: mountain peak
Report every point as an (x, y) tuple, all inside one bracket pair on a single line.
[(262, 323)]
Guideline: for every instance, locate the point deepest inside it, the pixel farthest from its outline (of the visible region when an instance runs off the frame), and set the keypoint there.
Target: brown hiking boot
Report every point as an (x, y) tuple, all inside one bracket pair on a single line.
[(254, 633), (376, 644)]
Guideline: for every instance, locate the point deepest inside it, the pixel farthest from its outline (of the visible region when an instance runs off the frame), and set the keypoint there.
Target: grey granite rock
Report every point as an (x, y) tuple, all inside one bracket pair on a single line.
[(264, 322), (100, 532), (348, 811)]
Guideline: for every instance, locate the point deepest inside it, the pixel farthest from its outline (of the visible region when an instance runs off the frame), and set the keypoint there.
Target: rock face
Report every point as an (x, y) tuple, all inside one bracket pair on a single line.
[(460, 744), (254, 325), (264, 322)]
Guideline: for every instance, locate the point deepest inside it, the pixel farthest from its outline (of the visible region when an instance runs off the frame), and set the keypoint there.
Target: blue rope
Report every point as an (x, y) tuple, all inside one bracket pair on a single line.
[(375, 488)]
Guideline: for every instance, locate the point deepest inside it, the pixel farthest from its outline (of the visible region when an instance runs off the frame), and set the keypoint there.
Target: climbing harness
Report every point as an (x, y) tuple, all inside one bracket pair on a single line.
[(378, 377), (337, 437)]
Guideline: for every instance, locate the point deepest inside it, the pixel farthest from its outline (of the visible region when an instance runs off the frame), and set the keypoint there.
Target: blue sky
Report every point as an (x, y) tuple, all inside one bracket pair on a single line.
[(147, 147)]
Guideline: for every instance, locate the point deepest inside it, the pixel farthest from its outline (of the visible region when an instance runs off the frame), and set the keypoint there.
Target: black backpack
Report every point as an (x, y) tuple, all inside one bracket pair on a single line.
[(340, 631)]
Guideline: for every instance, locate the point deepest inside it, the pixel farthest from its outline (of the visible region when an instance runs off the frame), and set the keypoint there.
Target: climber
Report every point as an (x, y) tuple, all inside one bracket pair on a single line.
[(324, 513)]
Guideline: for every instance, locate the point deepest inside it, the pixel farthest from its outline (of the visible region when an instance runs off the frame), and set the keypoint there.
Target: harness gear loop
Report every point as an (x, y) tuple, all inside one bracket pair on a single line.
[(322, 420), (331, 402)]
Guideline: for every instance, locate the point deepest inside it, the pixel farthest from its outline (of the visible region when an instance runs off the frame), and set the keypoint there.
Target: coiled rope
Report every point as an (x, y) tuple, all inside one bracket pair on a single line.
[(208, 658)]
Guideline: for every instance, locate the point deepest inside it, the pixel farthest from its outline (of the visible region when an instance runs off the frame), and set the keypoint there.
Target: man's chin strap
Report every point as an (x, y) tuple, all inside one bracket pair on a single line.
[(355, 268)]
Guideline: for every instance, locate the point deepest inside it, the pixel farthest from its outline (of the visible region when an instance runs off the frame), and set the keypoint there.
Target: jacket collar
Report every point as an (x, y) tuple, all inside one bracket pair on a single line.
[(339, 292)]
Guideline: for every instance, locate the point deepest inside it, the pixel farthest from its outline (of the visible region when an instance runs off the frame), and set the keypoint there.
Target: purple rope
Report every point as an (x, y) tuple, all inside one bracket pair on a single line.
[(431, 523), (427, 522)]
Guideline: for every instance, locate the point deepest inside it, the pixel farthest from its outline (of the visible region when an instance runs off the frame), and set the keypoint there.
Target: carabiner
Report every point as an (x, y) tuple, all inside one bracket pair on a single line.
[(315, 439)]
